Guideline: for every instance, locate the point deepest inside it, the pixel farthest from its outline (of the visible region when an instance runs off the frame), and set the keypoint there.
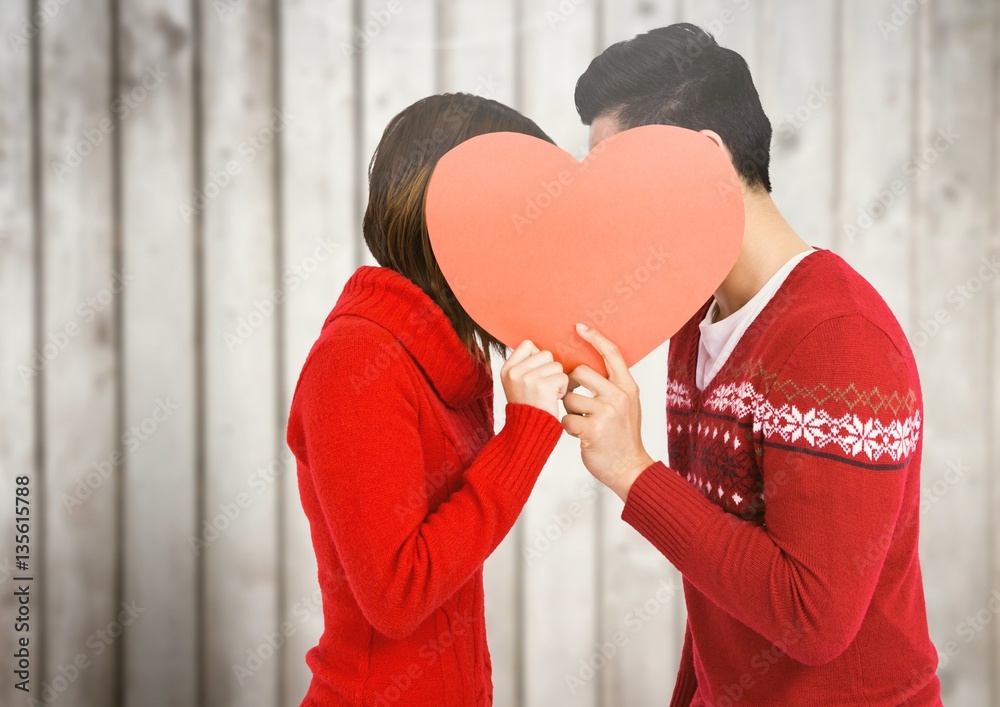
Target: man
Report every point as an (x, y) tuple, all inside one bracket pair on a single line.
[(790, 503)]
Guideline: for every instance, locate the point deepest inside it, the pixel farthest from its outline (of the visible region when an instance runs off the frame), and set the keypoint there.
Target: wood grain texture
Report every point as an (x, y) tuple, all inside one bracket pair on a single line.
[(560, 519), (733, 23), (165, 267), (995, 363), (641, 593), (797, 78), (476, 54), (877, 105), (398, 49), (81, 431), (241, 126), (18, 388), (320, 227), (157, 134), (954, 190)]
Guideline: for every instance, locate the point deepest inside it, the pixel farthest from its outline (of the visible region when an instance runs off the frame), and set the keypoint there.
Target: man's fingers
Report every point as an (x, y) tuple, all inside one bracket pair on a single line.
[(580, 404), (592, 381), (574, 425), (613, 359)]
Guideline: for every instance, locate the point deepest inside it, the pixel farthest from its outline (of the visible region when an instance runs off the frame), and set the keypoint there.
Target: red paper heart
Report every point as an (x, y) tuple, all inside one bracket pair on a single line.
[(632, 241)]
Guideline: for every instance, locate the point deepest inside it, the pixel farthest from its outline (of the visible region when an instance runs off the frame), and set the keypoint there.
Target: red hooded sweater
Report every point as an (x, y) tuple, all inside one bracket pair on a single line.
[(791, 505), (407, 492)]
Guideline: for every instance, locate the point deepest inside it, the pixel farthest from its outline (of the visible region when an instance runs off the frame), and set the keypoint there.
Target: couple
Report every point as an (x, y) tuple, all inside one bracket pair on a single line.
[(790, 501)]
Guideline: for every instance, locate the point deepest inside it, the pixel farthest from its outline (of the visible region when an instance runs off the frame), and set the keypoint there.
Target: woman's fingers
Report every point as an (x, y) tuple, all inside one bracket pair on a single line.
[(541, 369), (549, 374), (534, 363), (523, 351)]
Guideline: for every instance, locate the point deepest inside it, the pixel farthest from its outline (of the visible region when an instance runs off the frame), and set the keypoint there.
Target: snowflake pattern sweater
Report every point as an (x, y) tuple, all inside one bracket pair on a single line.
[(407, 492), (790, 505)]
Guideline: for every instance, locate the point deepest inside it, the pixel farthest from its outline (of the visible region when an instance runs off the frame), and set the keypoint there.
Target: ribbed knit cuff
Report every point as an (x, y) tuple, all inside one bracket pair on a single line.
[(517, 454), (684, 689), (667, 511)]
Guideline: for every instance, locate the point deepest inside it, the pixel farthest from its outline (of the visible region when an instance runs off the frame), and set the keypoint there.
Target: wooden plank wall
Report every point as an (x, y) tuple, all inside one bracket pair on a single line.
[(19, 279), (181, 187)]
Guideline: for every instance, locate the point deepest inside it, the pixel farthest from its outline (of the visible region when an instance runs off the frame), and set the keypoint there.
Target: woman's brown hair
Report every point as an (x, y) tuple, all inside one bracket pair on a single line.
[(394, 225)]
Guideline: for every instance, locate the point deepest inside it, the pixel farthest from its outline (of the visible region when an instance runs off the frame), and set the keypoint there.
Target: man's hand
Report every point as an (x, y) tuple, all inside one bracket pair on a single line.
[(609, 424)]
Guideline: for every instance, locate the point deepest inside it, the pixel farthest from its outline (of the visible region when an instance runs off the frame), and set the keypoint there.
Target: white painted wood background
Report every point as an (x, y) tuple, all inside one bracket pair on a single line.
[(857, 90)]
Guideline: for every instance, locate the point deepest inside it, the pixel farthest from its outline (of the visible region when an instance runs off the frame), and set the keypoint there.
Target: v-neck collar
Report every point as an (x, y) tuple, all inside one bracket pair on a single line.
[(752, 332)]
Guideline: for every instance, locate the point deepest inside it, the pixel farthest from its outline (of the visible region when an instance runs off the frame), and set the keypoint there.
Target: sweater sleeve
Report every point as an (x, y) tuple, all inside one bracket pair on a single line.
[(686, 683), (838, 429), (365, 456)]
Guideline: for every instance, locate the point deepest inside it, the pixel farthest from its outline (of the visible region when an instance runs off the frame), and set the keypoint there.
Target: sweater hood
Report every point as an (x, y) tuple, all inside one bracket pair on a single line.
[(388, 299)]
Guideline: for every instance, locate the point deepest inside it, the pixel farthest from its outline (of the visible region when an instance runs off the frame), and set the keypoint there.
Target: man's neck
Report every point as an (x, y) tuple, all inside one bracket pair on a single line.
[(768, 243)]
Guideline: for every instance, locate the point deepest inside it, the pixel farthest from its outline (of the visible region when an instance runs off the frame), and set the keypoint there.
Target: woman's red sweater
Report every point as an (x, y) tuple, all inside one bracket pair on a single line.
[(407, 491)]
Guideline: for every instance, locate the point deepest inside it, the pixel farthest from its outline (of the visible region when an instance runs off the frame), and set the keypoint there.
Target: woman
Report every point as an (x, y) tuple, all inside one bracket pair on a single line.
[(406, 488)]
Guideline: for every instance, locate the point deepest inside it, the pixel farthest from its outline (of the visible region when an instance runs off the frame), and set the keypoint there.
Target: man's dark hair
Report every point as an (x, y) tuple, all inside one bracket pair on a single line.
[(679, 75)]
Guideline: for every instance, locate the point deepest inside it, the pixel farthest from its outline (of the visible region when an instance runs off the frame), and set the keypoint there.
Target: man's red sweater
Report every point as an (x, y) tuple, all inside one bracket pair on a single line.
[(791, 505), (407, 492)]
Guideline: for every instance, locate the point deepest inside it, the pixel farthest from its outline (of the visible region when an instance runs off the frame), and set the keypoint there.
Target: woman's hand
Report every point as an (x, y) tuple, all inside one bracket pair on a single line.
[(532, 377)]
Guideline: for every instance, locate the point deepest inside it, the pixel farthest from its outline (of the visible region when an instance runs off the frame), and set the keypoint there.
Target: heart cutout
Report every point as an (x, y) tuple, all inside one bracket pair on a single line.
[(633, 240)]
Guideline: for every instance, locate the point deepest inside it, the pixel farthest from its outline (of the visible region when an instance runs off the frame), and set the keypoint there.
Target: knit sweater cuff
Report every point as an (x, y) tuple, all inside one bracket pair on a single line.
[(519, 451), (667, 511), (684, 689)]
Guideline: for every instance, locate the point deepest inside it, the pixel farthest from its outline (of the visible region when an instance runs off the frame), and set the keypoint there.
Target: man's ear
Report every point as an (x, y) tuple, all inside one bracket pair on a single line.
[(717, 139)]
